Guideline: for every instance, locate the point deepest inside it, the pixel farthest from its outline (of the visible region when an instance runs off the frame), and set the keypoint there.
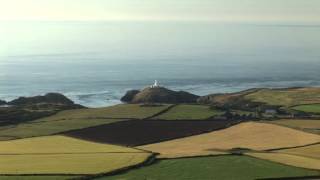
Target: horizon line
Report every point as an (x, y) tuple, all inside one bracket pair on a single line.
[(243, 22)]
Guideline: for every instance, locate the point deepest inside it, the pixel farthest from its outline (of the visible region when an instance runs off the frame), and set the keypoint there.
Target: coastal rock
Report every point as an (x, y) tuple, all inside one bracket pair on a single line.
[(2, 102), (128, 97), (50, 98), (161, 95), (26, 109)]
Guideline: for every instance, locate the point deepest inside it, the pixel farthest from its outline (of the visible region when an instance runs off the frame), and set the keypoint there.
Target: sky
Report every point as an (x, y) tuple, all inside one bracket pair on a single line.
[(188, 10)]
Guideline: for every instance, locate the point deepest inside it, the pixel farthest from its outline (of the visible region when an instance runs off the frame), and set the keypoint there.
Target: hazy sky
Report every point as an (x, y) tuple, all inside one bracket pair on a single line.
[(215, 10)]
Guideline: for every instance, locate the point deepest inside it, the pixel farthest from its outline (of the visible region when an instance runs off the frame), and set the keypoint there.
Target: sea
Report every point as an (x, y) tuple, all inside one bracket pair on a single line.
[(95, 63)]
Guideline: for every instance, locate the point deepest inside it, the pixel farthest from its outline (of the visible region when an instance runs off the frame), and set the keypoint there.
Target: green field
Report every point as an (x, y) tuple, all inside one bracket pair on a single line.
[(189, 112), (307, 125), (118, 111), (311, 108), (64, 155), (77, 119), (49, 127), (286, 97), (220, 168)]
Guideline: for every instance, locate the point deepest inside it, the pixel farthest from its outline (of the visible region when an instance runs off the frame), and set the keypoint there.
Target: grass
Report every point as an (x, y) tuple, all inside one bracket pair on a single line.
[(41, 177), (289, 159), (43, 128), (189, 112), (93, 163), (64, 155), (57, 144), (77, 119), (118, 111), (312, 151), (286, 97), (310, 108), (251, 135), (208, 168), (240, 112), (312, 126)]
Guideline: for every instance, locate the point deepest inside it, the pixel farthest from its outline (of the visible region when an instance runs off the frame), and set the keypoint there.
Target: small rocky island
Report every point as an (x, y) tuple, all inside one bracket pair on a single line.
[(158, 94)]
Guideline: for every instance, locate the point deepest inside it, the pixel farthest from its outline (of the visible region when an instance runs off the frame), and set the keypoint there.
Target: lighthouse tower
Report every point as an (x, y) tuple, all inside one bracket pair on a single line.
[(155, 85)]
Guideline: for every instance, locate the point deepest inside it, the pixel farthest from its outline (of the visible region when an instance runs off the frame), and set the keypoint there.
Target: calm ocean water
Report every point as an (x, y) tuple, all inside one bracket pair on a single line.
[(95, 63)]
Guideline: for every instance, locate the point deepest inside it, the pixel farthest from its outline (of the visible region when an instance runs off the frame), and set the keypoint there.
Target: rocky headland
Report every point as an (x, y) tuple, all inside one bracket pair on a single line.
[(158, 95), (2, 102), (29, 108)]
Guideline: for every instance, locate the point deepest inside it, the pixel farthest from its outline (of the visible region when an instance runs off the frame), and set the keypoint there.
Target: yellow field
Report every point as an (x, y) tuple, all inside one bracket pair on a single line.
[(286, 97), (312, 151), (288, 159), (251, 135), (57, 144), (38, 177), (301, 124), (64, 155), (94, 163)]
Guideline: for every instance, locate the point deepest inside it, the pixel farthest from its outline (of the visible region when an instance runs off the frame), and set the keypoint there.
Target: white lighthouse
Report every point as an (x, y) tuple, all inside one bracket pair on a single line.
[(155, 85)]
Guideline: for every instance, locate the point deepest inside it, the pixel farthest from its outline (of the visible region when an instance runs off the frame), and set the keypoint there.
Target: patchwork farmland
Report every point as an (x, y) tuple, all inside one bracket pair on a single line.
[(165, 141)]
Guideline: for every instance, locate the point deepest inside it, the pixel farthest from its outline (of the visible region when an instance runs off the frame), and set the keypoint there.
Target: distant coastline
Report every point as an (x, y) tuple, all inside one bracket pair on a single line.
[(109, 98)]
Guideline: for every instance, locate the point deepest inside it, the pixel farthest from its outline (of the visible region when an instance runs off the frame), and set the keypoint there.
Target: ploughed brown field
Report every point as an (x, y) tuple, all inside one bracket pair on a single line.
[(141, 132)]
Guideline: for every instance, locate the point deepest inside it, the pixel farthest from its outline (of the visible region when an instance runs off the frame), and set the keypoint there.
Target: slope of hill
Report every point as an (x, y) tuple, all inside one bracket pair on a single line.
[(286, 97), (227, 99), (253, 98), (250, 135)]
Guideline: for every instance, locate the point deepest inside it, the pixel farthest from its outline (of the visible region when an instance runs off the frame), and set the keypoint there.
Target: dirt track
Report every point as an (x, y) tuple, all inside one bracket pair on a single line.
[(141, 132)]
